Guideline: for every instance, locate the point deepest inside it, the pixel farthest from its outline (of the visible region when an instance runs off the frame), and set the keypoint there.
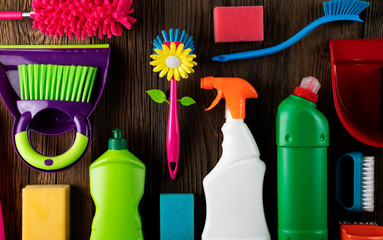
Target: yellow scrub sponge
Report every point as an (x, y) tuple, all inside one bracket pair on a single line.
[(46, 211)]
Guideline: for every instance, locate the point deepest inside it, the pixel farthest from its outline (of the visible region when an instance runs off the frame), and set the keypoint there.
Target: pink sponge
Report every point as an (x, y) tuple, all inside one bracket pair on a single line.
[(238, 24)]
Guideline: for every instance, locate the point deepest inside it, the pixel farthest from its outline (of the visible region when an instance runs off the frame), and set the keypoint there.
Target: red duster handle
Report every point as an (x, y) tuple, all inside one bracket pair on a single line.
[(11, 15)]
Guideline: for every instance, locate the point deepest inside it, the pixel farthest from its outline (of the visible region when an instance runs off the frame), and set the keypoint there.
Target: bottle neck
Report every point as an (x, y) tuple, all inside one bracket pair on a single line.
[(306, 94), (229, 118)]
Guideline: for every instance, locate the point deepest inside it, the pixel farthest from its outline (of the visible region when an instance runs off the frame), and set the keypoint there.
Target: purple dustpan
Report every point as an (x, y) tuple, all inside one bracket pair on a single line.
[(51, 117)]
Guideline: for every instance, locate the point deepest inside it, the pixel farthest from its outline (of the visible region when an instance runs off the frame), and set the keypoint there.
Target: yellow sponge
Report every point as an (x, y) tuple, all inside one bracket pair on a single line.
[(46, 211)]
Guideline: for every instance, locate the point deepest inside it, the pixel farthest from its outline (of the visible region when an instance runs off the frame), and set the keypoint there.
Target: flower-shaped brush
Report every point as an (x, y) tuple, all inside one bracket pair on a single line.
[(173, 57)]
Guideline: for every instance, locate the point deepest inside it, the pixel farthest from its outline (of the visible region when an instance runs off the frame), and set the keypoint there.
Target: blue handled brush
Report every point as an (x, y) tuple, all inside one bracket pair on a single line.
[(336, 10), (355, 182)]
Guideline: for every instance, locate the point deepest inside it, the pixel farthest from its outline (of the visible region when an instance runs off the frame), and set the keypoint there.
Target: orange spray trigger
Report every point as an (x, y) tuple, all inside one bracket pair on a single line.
[(234, 90), (216, 101)]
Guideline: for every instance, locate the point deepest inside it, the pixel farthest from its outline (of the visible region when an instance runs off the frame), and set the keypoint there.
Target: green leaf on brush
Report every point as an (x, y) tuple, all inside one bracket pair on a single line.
[(187, 101), (157, 95)]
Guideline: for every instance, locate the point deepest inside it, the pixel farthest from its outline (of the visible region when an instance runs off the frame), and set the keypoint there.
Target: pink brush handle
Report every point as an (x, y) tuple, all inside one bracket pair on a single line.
[(11, 15), (2, 233), (173, 132)]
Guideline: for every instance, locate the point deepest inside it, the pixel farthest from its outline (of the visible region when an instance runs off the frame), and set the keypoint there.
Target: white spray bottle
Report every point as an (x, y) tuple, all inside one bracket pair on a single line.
[(233, 189)]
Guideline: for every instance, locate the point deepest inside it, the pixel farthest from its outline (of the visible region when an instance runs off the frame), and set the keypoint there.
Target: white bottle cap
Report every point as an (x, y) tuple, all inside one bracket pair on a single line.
[(311, 83)]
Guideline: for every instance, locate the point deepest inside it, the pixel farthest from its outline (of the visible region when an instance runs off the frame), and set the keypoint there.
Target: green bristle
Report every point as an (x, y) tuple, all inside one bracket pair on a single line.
[(56, 82), (52, 70), (89, 84), (64, 83), (43, 81), (36, 75), (26, 82), (31, 83), (21, 81), (49, 82), (70, 85), (84, 77), (76, 81), (94, 74), (60, 72), (80, 86)]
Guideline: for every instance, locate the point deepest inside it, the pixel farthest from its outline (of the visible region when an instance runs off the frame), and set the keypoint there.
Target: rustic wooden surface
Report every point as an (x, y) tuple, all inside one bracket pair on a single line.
[(125, 104)]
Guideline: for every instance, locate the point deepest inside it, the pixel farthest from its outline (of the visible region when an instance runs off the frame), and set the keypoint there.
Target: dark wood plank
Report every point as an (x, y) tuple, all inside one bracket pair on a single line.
[(125, 104)]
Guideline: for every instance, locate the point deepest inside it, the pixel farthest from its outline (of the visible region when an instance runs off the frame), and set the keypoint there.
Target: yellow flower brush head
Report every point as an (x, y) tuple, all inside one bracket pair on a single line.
[(176, 61)]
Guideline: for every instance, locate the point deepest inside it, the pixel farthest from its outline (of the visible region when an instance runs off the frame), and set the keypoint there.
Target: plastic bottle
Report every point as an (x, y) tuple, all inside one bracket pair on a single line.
[(302, 141), (233, 189), (117, 180)]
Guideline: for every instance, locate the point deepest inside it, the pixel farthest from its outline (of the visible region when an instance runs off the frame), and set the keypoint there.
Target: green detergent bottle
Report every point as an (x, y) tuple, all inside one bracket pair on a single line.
[(302, 141), (117, 180)]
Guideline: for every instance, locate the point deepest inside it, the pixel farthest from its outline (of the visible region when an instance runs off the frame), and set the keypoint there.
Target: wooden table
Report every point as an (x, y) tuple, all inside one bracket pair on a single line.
[(125, 104)]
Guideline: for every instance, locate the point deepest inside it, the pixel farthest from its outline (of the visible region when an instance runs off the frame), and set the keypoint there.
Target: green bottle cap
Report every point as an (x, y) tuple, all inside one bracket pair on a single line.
[(117, 142)]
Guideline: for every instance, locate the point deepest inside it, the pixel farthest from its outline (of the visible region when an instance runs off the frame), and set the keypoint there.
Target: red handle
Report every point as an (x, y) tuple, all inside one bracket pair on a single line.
[(11, 15)]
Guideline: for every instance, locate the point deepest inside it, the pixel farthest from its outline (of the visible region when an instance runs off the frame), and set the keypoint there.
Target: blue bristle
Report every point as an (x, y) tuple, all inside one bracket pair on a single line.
[(157, 44), (344, 7), (188, 42), (191, 47), (171, 39), (182, 35), (159, 40), (165, 35), (175, 36), (185, 38)]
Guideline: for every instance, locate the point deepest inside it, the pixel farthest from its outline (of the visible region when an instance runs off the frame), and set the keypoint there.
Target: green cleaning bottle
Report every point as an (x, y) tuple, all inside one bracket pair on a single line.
[(302, 141), (117, 181)]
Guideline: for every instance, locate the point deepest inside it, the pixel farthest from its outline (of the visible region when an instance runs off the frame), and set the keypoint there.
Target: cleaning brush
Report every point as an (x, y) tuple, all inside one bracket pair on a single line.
[(173, 57), (78, 17), (66, 83), (336, 10), (355, 182)]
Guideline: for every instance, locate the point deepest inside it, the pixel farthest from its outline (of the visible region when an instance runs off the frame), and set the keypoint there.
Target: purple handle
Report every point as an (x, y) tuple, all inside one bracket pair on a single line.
[(173, 132), (11, 15)]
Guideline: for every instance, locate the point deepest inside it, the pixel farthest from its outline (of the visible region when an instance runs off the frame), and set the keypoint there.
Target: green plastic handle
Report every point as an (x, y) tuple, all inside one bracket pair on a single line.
[(42, 162)]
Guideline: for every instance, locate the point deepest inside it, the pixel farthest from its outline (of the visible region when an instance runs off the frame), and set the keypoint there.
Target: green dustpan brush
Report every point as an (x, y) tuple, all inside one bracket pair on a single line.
[(56, 82), (54, 99)]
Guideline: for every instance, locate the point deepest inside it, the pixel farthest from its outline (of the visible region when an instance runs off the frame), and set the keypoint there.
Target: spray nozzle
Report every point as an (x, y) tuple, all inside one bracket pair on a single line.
[(234, 90)]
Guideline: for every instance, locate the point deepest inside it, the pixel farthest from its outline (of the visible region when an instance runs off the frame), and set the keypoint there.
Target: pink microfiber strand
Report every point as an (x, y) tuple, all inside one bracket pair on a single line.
[(82, 17), (238, 24)]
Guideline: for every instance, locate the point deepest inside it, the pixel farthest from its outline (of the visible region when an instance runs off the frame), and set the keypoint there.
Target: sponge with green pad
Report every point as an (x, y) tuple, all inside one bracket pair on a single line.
[(177, 216)]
